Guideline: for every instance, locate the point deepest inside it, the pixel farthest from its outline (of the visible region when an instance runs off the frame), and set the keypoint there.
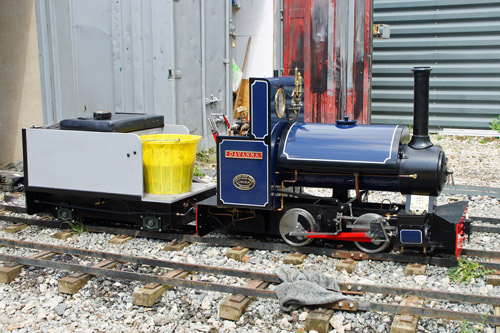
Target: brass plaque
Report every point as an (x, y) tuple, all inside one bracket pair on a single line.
[(244, 182)]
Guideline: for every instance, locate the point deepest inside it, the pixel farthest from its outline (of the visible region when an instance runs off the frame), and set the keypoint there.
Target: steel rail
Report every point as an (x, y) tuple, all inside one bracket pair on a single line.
[(429, 312), (484, 228), (472, 190), (262, 293), (141, 260), (481, 253), (12, 208), (423, 293), (148, 278), (32, 221), (266, 277), (492, 220), (272, 246), (476, 228)]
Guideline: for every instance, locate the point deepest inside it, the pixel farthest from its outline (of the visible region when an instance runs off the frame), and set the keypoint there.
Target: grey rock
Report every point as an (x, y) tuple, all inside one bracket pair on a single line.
[(162, 320), (60, 309)]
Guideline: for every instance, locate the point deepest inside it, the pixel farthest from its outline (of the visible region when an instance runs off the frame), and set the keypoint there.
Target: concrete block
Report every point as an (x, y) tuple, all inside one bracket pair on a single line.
[(176, 245), (294, 259), (233, 306), (14, 228), (319, 320), (65, 234), (237, 253), (120, 239), (150, 293), (72, 283), (415, 269), (348, 265)]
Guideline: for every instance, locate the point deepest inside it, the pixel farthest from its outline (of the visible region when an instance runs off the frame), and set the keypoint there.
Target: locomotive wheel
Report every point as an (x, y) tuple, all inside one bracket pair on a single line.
[(362, 224), (297, 219)]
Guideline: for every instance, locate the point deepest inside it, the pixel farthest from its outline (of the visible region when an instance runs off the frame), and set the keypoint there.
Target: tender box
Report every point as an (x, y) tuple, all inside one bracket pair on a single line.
[(119, 122)]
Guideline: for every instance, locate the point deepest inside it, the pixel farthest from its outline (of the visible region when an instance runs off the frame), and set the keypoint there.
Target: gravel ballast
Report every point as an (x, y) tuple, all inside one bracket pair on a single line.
[(32, 302)]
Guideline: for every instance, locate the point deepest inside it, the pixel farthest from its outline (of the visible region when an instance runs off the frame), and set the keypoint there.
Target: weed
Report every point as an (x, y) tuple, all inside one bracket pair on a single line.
[(467, 327), (197, 173), (466, 271), (206, 156), (439, 137), (495, 124), (78, 227), (483, 141)]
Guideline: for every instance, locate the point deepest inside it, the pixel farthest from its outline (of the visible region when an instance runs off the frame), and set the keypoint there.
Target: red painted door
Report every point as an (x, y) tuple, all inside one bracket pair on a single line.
[(329, 41)]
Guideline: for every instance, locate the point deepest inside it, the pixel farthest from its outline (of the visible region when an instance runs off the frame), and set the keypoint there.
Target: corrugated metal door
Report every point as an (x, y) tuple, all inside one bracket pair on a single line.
[(160, 57), (459, 39), (329, 41)]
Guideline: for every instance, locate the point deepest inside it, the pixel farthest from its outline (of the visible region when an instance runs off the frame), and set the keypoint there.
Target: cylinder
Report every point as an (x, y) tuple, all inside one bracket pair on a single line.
[(420, 139)]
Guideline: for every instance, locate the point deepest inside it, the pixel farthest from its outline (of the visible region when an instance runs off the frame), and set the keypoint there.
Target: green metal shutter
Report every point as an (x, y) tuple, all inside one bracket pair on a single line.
[(459, 39)]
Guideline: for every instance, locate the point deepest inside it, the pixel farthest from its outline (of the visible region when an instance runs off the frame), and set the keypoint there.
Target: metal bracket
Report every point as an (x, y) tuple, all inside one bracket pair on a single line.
[(151, 222), (152, 285), (349, 289), (382, 31), (238, 298), (65, 214), (345, 306), (212, 100), (174, 74), (356, 255)]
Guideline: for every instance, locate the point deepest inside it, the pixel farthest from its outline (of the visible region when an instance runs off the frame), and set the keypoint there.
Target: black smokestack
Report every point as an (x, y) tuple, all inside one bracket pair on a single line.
[(420, 138)]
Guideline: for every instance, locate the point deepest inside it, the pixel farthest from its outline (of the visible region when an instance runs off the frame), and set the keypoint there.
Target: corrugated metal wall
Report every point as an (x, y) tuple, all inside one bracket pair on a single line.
[(459, 39), (168, 58)]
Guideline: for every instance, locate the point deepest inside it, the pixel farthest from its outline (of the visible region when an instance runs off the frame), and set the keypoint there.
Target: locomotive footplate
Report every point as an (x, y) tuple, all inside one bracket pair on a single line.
[(371, 226)]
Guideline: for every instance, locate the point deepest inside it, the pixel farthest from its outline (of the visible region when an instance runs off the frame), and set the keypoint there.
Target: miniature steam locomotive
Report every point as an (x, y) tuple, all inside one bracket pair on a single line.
[(92, 170)]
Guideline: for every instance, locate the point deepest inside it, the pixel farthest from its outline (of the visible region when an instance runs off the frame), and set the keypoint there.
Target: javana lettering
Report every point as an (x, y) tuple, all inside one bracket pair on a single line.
[(251, 155)]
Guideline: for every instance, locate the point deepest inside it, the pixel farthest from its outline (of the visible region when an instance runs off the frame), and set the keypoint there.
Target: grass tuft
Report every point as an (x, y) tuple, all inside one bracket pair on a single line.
[(466, 271)]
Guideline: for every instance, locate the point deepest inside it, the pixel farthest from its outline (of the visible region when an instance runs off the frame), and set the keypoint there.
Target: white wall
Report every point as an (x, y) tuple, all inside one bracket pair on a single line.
[(20, 92), (254, 18)]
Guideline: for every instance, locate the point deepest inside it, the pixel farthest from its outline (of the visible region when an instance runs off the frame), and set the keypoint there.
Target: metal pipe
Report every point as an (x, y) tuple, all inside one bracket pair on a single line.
[(283, 190), (203, 75), (420, 138), (173, 60), (228, 63)]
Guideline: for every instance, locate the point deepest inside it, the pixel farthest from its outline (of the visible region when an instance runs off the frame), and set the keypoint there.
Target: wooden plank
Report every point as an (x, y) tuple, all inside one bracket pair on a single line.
[(71, 284), (150, 293), (319, 320), (233, 306), (10, 271), (15, 228)]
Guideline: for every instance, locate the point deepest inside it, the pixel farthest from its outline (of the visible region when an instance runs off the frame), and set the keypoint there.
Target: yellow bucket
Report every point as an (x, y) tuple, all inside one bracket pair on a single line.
[(168, 162)]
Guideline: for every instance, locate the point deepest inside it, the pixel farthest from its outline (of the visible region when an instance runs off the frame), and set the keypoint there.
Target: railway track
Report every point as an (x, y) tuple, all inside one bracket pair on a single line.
[(492, 192), (355, 290), (274, 245)]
